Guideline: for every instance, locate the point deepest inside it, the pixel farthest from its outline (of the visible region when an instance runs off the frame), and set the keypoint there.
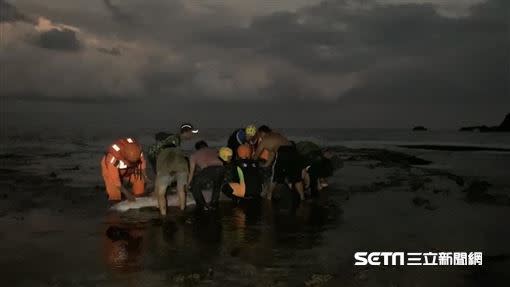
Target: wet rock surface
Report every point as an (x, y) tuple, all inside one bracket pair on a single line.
[(478, 192), (420, 129), (378, 200)]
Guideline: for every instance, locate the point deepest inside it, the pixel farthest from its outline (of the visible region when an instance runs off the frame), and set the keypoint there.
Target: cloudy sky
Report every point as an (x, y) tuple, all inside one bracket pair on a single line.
[(291, 63)]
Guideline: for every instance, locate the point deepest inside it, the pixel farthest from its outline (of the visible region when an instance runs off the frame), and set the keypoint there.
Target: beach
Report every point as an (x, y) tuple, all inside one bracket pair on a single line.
[(392, 194)]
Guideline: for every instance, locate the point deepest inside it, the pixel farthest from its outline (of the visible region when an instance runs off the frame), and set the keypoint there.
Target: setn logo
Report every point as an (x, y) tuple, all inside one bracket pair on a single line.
[(418, 258), (374, 258)]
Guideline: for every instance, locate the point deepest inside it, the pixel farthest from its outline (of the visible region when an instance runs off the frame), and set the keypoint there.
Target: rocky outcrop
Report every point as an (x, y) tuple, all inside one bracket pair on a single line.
[(503, 127), (475, 129), (420, 129)]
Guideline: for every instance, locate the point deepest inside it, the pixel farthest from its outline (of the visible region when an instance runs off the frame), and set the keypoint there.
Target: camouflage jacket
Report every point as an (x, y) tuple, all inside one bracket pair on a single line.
[(170, 141)]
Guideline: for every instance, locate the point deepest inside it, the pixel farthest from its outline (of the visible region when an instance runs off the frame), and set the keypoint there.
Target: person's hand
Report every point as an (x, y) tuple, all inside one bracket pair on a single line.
[(129, 196), (147, 179)]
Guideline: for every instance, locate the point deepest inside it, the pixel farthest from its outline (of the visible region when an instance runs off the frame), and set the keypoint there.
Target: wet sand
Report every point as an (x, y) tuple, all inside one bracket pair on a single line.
[(58, 234)]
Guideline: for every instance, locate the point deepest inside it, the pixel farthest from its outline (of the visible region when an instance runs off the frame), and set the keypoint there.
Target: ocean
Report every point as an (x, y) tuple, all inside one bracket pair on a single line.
[(62, 149)]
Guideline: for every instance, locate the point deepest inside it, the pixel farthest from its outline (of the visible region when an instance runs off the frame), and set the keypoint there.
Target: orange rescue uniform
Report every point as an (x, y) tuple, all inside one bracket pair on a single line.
[(116, 170)]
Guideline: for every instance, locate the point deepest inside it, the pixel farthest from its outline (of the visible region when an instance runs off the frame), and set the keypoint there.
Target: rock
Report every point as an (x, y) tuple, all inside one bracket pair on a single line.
[(430, 207), (441, 190), (477, 192), (11, 156), (416, 183), (74, 168), (475, 129), (187, 280), (420, 129), (318, 280), (420, 201), (387, 158), (503, 127), (458, 180), (58, 155)]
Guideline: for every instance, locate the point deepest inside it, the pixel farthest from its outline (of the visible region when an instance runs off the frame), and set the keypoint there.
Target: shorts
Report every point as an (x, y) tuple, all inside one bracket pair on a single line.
[(287, 166), (164, 180), (170, 161)]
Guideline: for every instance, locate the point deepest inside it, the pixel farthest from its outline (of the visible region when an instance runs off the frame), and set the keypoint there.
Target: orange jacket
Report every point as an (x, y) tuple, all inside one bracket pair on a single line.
[(115, 169)]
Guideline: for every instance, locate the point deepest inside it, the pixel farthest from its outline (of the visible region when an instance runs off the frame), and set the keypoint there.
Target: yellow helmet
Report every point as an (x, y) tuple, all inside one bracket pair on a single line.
[(225, 154), (250, 130)]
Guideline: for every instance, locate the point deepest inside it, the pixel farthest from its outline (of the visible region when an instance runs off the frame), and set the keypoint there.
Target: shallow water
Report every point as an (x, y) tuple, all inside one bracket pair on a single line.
[(244, 243), (251, 245)]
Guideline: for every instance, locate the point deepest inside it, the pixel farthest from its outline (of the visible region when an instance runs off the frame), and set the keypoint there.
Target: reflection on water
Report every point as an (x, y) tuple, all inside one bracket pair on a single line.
[(123, 244), (225, 242)]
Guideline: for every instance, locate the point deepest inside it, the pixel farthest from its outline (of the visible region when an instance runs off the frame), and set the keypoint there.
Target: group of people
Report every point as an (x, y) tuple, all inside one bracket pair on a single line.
[(251, 165)]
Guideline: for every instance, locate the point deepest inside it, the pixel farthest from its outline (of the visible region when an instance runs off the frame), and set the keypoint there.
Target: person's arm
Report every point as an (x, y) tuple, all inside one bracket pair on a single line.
[(269, 160), (144, 168), (127, 194), (258, 151), (192, 166)]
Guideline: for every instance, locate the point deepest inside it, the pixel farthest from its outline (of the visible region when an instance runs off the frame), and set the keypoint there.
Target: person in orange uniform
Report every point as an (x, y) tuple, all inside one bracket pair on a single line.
[(123, 164)]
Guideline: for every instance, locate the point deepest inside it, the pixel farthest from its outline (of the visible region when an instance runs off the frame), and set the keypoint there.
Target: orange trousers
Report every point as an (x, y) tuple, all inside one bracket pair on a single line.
[(113, 180)]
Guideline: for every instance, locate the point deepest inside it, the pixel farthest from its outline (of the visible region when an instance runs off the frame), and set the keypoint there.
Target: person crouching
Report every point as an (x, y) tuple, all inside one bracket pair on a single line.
[(124, 164), (243, 179)]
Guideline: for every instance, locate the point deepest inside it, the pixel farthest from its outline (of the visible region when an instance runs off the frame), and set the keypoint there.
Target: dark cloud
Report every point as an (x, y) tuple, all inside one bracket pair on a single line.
[(388, 60), (63, 39), (450, 60), (117, 13), (112, 51), (401, 53), (9, 13)]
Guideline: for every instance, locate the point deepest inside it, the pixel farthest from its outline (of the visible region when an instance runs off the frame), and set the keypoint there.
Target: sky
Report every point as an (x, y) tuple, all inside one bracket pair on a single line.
[(287, 63)]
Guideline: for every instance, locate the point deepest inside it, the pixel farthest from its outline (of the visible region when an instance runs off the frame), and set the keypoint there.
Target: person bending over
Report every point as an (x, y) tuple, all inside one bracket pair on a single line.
[(284, 158), (206, 169)]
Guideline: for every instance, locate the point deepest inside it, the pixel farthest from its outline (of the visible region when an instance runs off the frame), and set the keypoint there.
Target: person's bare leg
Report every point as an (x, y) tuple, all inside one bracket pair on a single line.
[(325, 182), (270, 190), (319, 185), (182, 180), (161, 185), (306, 178), (300, 189), (181, 192)]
